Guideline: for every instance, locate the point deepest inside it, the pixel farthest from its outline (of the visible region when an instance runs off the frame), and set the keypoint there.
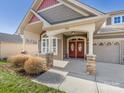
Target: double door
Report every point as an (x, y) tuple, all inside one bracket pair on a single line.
[(76, 49)]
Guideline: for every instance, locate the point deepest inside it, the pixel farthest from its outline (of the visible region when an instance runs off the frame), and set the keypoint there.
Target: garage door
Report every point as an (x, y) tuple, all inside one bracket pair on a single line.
[(107, 52)]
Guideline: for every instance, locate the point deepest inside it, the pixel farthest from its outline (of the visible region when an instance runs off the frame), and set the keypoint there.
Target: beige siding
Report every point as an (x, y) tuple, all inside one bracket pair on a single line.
[(30, 47), (31, 35), (10, 49)]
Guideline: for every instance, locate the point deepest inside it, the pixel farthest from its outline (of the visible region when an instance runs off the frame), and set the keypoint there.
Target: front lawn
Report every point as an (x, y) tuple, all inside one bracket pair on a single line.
[(13, 83)]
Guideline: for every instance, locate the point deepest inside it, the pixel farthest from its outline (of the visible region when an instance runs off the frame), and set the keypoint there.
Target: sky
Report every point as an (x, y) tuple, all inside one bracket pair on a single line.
[(13, 11)]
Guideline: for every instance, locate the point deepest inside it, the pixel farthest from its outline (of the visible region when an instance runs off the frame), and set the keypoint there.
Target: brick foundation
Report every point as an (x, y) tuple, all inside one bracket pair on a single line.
[(91, 65)]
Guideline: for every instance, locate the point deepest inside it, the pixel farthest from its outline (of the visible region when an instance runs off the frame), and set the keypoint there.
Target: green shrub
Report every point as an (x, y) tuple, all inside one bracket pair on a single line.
[(34, 65), (18, 61)]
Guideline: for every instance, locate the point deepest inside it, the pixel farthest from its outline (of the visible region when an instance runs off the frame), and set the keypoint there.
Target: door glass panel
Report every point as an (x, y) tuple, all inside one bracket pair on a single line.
[(72, 47), (79, 47)]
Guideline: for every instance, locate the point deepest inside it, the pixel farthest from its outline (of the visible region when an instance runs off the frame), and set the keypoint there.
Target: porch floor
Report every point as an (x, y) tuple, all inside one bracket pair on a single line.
[(69, 75)]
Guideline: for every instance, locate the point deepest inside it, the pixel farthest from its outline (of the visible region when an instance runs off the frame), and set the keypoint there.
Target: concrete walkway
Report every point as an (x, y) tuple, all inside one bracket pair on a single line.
[(70, 76)]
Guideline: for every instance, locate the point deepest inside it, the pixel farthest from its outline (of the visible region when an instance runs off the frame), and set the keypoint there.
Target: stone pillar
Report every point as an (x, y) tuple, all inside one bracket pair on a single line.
[(49, 60), (91, 65), (91, 58)]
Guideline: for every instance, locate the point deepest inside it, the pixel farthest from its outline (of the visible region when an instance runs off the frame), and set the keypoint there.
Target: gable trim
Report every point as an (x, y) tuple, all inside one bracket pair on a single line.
[(19, 29), (86, 7)]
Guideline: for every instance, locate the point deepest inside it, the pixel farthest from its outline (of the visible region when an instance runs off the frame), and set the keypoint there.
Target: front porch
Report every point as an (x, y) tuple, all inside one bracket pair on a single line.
[(74, 42)]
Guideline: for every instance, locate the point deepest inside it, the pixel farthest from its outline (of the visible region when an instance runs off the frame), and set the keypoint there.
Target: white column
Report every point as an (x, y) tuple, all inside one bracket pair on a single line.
[(90, 36), (23, 41)]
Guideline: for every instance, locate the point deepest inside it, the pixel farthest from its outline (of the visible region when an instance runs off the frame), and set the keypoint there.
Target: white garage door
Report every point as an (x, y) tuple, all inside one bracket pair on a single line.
[(107, 52)]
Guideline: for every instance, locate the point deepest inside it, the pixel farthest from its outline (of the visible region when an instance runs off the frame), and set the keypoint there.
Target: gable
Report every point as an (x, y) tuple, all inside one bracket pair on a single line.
[(47, 3), (34, 19), (61, 14), (57, 11)]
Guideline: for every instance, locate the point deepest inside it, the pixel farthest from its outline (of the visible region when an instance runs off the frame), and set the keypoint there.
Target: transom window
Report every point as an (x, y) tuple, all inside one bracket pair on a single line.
[(46, 45), (118, 19)]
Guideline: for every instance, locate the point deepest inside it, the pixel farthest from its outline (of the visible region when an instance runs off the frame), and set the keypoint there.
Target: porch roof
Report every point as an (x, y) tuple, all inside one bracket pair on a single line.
[(97, 20)]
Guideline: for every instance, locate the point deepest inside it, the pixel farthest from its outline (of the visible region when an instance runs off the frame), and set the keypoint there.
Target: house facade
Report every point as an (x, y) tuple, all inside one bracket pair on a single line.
[(70, 29)]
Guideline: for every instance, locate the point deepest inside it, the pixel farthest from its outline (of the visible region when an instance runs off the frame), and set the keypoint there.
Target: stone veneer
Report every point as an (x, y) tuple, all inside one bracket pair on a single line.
[(91, 65)]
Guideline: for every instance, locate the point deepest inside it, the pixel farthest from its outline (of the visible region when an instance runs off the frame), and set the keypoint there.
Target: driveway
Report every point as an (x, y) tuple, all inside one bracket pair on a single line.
[(70, 76)]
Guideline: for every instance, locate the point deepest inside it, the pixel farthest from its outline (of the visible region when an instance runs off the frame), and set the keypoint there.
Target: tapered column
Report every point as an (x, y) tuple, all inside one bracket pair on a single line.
[(91, 58), (90, 45), (50, 44)]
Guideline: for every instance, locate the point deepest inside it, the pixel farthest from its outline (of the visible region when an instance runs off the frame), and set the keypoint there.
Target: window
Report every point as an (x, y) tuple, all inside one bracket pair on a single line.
[(54, 46), (46, 45), (123, 19), (118, 19)]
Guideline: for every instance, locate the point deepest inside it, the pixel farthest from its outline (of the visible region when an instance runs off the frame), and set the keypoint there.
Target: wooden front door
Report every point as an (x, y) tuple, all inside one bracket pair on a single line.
[(80, 49), (72, 50), (76, 49)]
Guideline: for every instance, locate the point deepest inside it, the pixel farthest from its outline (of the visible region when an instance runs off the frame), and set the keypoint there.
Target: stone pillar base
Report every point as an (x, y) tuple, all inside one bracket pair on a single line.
[(49, 60), (91, 65)]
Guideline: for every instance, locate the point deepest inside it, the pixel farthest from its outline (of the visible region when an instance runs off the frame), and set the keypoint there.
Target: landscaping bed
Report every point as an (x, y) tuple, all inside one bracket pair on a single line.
[(13, 82)]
